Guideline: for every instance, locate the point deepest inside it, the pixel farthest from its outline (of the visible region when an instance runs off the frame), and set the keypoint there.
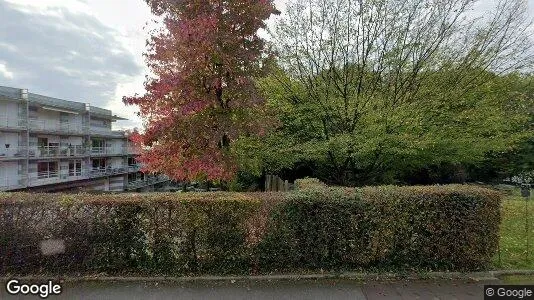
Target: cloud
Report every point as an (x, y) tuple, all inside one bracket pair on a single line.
[(61, 53), (5, 72)]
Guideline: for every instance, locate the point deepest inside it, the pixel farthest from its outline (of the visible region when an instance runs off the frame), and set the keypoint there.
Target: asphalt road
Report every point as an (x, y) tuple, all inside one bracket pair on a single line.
[(279, 290)]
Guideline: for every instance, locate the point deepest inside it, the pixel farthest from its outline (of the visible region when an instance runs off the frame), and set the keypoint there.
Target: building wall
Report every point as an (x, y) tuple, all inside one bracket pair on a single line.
[(74, 119), (10, 138), (116, 162), (50, 117), (99, 124), (49, 123), (116, 144), (75, 140), (9, 173), (9, 110), (116, 183)]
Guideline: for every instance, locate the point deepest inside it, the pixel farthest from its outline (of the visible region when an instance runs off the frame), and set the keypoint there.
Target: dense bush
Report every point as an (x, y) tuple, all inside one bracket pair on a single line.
[(308, 183), (445, 228)]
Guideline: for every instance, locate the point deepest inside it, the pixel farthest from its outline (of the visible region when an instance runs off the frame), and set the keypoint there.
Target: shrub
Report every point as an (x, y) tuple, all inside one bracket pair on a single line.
[(445, 228), (318, 229), (309, 183), (454, 227), (440, 228), (117, 234)]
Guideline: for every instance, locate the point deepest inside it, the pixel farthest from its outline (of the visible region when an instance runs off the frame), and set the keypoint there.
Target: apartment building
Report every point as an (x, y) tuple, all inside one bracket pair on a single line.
[(49, 144)]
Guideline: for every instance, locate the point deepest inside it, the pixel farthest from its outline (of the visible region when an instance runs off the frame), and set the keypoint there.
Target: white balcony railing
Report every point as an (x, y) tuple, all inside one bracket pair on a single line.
[(47, 174), (108, 171), (57, 151), (107, 151), (13, 152), (134, 168), (55, 126), (45, 151), (149, 180), (75, 150), (53, 177), (106, 131), (12, 123)]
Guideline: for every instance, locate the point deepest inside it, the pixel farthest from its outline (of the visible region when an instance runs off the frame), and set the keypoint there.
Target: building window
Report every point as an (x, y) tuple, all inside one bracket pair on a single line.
[(98, 146), (131, 161), (47, 169), (99, 163), (75, 168), (42, 142)]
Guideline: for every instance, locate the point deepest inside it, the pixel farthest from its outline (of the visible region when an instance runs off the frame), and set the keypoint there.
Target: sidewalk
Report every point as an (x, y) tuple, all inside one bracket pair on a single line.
[(279, 290)]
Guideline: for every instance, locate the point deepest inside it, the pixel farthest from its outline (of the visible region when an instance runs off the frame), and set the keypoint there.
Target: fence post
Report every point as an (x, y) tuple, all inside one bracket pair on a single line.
[(267, 183), (525, 192)]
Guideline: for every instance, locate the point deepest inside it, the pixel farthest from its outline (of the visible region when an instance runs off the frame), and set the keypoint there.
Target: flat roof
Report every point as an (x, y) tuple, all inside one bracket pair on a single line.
[(52, 103)]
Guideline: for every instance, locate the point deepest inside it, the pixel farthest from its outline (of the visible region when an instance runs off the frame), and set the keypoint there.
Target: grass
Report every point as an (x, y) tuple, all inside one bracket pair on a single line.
[(517, 279), (512, 252)]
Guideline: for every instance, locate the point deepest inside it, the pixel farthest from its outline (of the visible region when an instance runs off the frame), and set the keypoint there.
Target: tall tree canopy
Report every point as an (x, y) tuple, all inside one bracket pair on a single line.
[(367, 88), (201, 96)]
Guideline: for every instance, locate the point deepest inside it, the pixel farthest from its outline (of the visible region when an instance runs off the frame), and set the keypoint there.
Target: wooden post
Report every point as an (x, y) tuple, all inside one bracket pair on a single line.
[(267, 183), (286, 185)]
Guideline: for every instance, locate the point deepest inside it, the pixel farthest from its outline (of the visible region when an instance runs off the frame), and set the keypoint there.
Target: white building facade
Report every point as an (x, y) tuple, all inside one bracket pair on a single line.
[(49, 144)]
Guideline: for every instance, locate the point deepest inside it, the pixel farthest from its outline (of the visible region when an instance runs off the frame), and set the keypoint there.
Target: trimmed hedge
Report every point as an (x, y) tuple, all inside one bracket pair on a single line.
[(320, 228), (438, 228)]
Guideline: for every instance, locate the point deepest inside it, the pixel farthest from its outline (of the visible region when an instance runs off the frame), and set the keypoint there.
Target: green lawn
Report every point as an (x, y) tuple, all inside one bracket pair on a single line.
[(512, 252)]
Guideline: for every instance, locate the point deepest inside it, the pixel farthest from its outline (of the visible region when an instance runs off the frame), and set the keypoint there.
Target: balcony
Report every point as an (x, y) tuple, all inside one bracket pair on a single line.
[(13, 153), (55, 127), (134, 168), (7, 183), (57, 151), (107, 151), (54, 177), (43, 178), (106, 131), (150, 180), (133, 150), (107, 171), (12, 123)]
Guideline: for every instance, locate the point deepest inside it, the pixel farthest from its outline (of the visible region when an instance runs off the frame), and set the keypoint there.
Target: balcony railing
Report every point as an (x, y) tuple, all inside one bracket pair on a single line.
[(103, 151), (150, 180), (47, 174), (12, 123), (106, 131), (55, 126), (53, 177), (76, 150), (134, 168), (57, 151), (107, 171), (13, 152)]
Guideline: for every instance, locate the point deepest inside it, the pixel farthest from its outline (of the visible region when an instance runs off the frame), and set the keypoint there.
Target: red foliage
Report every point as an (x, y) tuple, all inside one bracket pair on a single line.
[(202, 96)]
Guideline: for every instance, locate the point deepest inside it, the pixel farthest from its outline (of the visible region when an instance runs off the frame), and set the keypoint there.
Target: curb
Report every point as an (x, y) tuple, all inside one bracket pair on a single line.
[(474, 276)]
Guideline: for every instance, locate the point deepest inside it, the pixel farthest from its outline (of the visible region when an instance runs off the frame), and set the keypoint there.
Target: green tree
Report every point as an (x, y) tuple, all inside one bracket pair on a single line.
[(366, 89)]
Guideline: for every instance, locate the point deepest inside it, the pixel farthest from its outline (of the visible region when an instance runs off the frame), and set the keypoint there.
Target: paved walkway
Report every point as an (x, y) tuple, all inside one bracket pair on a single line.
[(278, 290)]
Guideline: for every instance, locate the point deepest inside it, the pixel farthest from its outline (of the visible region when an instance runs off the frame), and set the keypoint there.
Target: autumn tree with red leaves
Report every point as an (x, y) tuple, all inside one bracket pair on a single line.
[(201, 96)]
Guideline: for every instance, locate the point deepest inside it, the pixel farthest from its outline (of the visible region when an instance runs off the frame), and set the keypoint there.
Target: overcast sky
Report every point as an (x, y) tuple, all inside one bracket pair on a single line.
[(80, 50)]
